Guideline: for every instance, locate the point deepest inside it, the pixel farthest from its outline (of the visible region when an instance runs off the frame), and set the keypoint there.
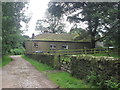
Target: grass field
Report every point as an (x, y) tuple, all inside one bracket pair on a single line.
[(5, 60)]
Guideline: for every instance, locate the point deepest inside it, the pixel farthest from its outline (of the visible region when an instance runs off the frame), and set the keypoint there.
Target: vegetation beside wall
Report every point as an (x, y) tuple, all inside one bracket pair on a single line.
[(5, 60), (11, 17), (39, 66), (51, 60), (45, 59), (101, 71), (112, 54), (17, 51), (65, 80), (97, 70), (62, 79), (0, 62)]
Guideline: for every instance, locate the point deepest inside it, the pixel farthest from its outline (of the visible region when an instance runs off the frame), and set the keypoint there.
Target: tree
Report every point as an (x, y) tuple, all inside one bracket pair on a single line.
[(101, 17), (11, 34), (81, 34), (51, 23)]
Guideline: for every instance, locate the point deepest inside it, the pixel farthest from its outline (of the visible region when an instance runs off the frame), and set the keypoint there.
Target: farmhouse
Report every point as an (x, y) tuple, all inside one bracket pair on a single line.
[(48, 41)]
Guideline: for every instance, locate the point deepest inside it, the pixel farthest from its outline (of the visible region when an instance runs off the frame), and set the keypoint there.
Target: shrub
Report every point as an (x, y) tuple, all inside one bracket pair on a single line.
[(65, 57), (93, 78), (111, 83), (17, 51)]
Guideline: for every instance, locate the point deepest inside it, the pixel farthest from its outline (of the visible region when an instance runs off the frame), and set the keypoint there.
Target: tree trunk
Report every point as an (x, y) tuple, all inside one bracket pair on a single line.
[(93, 41), (119, 30), (92, 33)]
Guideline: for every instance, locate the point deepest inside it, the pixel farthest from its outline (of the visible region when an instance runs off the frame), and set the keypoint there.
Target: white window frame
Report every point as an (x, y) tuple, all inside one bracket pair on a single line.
[(53, 46), (66, 46), (35, 44)]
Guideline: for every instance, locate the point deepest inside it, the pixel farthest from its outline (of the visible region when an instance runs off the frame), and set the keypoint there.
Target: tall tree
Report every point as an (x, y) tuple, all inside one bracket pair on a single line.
[(101, 17), (11, 34), (51, 23)]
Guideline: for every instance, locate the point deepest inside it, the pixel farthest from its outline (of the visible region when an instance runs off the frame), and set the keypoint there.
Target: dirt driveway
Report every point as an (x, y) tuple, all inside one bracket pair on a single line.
[(21, 74)]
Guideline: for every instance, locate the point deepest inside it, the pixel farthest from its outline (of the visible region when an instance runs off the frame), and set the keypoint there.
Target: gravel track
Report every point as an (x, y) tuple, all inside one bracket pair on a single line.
[(21, 74)]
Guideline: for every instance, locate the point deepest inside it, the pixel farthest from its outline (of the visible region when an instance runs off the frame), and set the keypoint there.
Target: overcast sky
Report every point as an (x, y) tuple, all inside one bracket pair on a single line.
[(37, 10)]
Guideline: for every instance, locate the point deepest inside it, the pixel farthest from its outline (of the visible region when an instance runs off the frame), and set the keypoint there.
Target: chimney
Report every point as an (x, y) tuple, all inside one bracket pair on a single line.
[(46, 31), (33, 36)]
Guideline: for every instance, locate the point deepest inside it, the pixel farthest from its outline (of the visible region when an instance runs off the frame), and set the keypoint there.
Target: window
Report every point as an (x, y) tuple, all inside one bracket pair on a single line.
[(64, 46), (52, 46), (35, 44)]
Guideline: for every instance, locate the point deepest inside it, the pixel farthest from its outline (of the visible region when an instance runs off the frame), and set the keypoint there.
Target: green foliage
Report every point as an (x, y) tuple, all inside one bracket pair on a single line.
[(43, 58), (5, 60), (112, 54), (65, 58), (54, 24), (96, 70), (39, 66), (0, 62), (17, 51), (93, 69), (11, 18), (101, 18), (0, 45), (95, 79), (56, 61), (65, 80), (55, 9), (81, 34), (112, 83)]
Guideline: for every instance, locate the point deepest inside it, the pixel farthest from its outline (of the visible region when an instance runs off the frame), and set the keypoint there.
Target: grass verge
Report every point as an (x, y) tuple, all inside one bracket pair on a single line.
[(0, 62), (5, 60), (65, 80), (39, 66), (115, 55)]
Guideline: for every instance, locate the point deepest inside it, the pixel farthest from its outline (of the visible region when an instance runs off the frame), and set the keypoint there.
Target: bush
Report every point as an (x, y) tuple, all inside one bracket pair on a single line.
[(96, 80), (65, 58), (93, 78), (111, 83), (17, 51)]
